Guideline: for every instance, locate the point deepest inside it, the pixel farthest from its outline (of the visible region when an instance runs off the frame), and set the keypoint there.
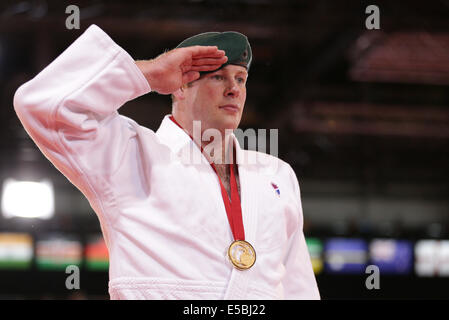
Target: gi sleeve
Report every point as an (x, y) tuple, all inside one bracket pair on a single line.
[(299, 281), (70, 108)]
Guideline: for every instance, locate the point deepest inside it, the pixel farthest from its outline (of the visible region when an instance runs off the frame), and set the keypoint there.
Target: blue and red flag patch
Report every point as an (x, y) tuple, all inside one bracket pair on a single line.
[(276, 188)]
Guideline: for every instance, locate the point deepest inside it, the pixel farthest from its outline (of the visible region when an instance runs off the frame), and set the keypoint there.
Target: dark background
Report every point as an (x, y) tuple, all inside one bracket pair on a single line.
[(363, 116)]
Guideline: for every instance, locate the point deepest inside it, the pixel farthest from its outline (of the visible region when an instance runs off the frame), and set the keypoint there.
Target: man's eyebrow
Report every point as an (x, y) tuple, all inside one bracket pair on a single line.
[(243, 72)]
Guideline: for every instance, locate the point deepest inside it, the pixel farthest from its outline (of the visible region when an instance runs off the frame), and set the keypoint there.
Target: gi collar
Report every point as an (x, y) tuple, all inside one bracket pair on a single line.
[(170, 134)]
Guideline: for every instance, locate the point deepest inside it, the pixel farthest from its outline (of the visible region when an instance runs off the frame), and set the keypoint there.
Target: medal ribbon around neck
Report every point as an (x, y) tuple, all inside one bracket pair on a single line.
[(241, 253)]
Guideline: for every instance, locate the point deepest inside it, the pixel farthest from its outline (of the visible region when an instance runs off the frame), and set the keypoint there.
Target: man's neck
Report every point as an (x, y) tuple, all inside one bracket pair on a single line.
[(221, 152)]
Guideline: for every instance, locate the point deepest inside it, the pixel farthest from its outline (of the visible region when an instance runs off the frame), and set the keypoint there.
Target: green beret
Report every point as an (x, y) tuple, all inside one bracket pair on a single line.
[(234, 44)]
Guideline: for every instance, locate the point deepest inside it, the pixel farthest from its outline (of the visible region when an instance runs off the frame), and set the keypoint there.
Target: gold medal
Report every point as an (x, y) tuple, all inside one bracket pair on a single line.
[(242, 254)]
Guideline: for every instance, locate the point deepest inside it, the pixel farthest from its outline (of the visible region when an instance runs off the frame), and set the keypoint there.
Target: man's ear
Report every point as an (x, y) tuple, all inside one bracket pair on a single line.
[(179, 94)]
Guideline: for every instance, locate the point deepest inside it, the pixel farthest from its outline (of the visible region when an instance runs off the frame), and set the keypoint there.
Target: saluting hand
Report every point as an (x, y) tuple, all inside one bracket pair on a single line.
[(171, 70)]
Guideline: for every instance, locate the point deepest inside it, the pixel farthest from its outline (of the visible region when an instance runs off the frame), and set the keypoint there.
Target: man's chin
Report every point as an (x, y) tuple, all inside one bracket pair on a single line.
[(229, 125), (222, 124)]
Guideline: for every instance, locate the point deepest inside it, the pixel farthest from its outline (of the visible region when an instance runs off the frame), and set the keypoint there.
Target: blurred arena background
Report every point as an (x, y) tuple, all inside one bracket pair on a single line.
[(363, 118)]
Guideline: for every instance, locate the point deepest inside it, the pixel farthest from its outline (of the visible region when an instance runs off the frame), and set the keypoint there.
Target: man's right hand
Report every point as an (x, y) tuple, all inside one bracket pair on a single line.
[(171, 70)]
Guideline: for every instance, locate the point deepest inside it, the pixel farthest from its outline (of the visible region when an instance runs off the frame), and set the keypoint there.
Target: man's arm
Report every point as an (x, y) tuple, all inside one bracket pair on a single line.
[(70, 108), (299, 281)]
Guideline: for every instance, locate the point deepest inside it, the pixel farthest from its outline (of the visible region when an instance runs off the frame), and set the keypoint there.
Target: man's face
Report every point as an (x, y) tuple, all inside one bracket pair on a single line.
[(217, 99)]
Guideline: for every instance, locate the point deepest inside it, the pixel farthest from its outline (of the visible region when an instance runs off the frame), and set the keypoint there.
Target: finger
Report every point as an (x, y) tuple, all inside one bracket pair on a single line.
[(194, 64), (198, 51), (216, 54), (208, 61), (190, 76), (204, 67), (209, 67)]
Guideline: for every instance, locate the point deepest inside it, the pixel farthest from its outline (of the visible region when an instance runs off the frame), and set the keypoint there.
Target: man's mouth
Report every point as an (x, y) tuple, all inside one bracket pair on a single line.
[(230, 107)]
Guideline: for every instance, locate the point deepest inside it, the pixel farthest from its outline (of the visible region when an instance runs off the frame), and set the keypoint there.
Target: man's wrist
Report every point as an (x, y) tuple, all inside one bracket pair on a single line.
[(150, 72)]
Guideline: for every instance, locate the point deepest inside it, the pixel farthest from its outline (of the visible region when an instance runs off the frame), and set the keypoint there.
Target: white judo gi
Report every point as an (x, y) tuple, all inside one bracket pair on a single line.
[(162, 217)]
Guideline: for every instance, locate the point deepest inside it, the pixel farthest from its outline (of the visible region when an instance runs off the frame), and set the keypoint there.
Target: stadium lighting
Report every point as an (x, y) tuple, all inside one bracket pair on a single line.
[(27, 199)]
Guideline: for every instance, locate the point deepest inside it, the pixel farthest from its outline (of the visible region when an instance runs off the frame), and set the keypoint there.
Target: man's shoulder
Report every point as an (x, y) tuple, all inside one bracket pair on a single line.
[(265, 161), (264, 156)]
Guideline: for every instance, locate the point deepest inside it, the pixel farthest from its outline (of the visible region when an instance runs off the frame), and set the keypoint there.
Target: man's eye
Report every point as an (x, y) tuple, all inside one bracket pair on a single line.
[(218, 77), (241, 80)]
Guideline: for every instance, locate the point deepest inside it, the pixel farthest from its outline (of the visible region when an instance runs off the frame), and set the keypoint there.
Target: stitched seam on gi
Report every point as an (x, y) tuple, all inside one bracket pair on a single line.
[(166, 285)]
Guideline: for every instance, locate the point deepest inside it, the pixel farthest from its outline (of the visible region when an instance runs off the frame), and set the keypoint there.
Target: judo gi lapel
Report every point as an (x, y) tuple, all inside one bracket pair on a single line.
[(239, 281), (186, 151), (179, 142), (173, 136)]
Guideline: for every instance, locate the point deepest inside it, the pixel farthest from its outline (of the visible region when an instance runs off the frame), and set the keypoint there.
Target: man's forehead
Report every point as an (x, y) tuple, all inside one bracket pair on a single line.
[(233, 69), (230, 69)]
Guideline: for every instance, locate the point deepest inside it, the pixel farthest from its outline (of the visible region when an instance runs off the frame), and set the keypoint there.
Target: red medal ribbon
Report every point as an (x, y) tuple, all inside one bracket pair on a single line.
[(233, 207)]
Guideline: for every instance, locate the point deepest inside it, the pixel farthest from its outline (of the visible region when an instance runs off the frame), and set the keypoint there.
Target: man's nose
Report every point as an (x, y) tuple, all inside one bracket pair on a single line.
[(232, 89)]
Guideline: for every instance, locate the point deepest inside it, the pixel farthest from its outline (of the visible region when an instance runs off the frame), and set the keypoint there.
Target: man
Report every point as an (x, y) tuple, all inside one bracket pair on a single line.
[(175, 228)]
